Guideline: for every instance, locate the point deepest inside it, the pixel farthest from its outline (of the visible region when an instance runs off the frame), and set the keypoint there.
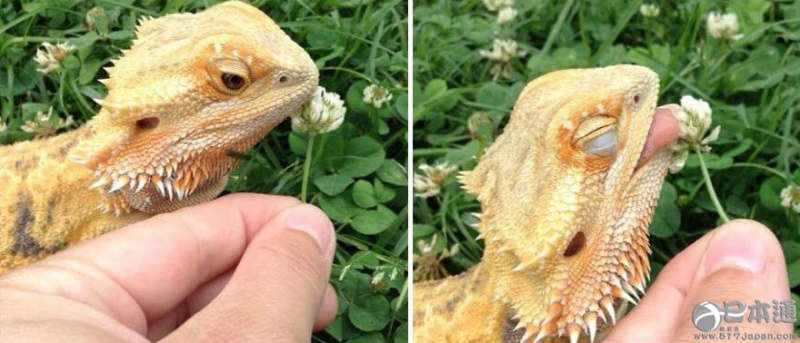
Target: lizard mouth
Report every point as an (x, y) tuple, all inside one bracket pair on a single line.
[(663, 131)]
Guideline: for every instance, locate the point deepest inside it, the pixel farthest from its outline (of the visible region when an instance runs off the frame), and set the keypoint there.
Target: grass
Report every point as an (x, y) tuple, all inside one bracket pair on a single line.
[(751, 84), (356, 174)]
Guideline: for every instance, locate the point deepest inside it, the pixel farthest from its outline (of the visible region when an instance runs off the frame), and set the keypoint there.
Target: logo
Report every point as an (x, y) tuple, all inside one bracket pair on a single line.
[(707, 316)]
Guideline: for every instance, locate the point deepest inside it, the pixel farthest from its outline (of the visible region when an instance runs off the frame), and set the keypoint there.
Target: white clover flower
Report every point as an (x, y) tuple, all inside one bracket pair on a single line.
[(723, 26), (42, 126), (376, 95), (494, 5), (49, 56), (506, 15), (43, 117), (323, 113), (694, 118), (429, 183), (29, 126), (649, 10), (790, 197), (429, 263), (503, 50)]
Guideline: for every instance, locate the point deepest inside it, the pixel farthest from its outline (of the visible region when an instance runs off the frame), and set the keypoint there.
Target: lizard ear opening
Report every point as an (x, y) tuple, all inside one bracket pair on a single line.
[(147, 123), (576, 244)]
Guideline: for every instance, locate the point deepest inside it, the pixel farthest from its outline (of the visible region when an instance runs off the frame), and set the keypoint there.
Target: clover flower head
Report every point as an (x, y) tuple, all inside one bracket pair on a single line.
[(649, 10), (694, 119), (790, 197), (495, 5), (429, 263), (376, 95), (324, 112), (723, 25), (41, 126), (506, 15), (429, 183), (48, 56), (503, 50)]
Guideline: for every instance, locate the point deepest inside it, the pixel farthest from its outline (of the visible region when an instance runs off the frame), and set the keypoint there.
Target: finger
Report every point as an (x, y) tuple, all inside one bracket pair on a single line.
[(277, 289), (198, 300), (671, 291), (327, 311), (743, 262), (194, 303), (124, 273), (664, 130)]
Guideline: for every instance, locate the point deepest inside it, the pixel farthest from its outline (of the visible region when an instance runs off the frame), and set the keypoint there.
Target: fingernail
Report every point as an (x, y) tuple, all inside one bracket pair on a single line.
[(312, 221), (736, 247)]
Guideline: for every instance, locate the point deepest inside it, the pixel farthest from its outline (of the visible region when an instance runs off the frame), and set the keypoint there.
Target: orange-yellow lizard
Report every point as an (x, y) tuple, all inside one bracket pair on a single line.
[(567, 192), (192, 89)]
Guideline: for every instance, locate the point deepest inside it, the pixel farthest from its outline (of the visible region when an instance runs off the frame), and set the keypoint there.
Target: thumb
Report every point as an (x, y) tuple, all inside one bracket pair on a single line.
[(276, 290), (742, 268)]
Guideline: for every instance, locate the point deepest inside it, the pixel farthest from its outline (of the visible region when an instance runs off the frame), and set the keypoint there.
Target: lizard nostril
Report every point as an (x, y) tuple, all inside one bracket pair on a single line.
[(576, 245), (147, 123)]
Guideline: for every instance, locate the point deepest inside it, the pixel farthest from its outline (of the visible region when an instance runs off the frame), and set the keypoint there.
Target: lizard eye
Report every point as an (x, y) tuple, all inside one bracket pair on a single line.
[(603, 144), (233, 81), (597, 135), (228, 76)]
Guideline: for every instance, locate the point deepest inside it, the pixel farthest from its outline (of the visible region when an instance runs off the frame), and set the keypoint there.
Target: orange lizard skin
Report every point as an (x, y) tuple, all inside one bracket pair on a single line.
[(567, 192), (192, 89)]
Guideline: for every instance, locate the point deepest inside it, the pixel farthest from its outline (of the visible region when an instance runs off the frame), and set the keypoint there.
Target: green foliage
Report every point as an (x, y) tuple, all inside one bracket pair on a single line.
[(751, 84), (357, 173)]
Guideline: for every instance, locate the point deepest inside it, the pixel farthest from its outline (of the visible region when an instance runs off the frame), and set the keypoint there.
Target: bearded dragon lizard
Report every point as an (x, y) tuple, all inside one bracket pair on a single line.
[(192, 89), (567, 192)]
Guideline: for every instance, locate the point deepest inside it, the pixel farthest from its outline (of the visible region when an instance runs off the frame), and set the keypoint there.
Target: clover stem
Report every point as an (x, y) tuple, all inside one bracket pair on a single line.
[(307, 168), (710, 188)]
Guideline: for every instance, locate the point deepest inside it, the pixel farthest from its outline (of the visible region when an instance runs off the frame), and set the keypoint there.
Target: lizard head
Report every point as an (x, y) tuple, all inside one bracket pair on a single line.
[(567, 193), (193, 90)]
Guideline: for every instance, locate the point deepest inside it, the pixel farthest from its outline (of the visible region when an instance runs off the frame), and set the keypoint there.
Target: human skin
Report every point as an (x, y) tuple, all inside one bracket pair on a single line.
[(244, 267), (739, 261)]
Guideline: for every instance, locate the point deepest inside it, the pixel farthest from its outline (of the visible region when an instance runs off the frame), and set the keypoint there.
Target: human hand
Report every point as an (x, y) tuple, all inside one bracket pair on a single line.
[(223, 271), (739, 261)]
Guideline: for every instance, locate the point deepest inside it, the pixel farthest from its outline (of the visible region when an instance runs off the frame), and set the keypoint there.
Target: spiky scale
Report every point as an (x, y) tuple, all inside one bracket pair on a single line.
[(574, 333), (627, 297), (539, 336), (118, 183), (611, 313), (168, 186), (591, 325), (628, 289), (160, 187), (102, 181)]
